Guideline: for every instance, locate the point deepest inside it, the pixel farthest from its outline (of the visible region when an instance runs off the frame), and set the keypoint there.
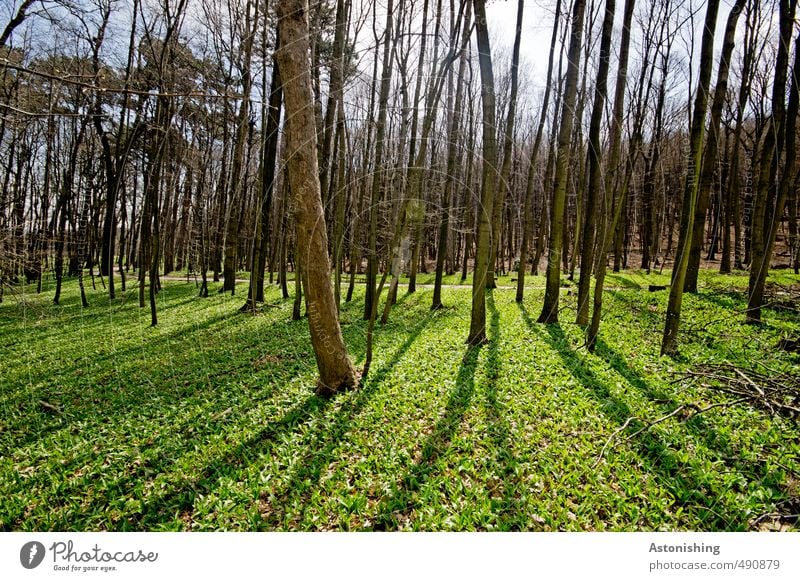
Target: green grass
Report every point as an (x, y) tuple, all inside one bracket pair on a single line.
[(209, 422)]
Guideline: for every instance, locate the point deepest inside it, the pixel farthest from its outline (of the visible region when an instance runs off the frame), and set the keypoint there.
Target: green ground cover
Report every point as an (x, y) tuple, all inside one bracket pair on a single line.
[(208, 421)]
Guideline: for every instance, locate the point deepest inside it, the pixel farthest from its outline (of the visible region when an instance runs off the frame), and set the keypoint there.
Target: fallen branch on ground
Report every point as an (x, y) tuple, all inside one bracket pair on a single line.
[(774, 392)]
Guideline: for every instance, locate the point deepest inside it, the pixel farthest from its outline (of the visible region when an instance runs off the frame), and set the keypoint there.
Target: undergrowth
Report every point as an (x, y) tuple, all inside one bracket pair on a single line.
[(209, 422)]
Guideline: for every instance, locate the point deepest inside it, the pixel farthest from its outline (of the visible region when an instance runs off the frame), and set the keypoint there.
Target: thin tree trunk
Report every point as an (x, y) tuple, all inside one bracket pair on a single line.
[(508, 145), (449, 188), (267, 183), (710, 154), (527, 222), (595, 176), (771, 201), (615, 146), (377, 175), (552, 289), (669, 343)]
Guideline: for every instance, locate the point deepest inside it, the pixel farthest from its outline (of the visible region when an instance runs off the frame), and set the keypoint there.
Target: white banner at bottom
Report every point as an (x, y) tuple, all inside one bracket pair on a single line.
[(357, 556)]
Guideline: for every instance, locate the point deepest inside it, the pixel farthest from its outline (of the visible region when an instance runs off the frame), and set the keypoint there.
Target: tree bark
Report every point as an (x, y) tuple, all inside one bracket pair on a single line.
[(771, 200), (508, 146), (615, 142), (267, 185), (710, 154), (377, 175), (552, 287), (527, 212), (450, 176), (335, 369), (669, 342), (477, 329), (595, 177)]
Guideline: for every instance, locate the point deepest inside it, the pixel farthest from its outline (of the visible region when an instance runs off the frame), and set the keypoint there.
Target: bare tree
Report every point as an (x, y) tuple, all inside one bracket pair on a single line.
[(550, 308), (669, 343), (477, 327), (335, 369)]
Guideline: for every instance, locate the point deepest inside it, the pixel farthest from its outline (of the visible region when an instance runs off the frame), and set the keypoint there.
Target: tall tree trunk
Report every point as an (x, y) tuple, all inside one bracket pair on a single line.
[(615, 146), (329, 124), (508, 146), (477, 328), (412, 148), (669, 342), (710, 154), (236, 196), (335, 369), (771, 200), (377, 174), (595, 175), (412, 210), (450, 177), (552, 289), (340, 203), (527, 220), (261, 244)]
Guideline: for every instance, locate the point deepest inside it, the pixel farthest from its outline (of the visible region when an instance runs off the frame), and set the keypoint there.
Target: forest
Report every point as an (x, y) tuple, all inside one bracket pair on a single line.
[(399, 265)]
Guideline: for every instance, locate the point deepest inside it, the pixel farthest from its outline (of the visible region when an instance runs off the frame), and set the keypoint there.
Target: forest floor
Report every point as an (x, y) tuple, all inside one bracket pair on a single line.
[(208, 421)]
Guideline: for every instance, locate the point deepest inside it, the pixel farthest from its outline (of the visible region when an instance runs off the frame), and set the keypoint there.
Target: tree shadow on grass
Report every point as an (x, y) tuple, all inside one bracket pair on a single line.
[(736, 301), (98, 400), (92, 404), (321, 442), (397, 506), (506, 508), (697, 425), (161, 453), (144, 462), (622, 281), (687, 487)]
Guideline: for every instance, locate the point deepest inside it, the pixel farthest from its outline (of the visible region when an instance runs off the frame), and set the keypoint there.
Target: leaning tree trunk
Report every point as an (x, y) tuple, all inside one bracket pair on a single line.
[(595, 177), (552, 286), (669, 342), (335, 369), (710, 154)]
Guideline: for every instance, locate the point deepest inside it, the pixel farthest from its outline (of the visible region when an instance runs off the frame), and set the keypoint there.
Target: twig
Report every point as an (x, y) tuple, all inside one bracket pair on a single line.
[(614, 435), (676, 411), (48, 407)]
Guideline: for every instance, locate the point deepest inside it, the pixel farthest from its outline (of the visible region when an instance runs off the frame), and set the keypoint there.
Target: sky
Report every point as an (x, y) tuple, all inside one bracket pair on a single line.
[(537, 29)]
